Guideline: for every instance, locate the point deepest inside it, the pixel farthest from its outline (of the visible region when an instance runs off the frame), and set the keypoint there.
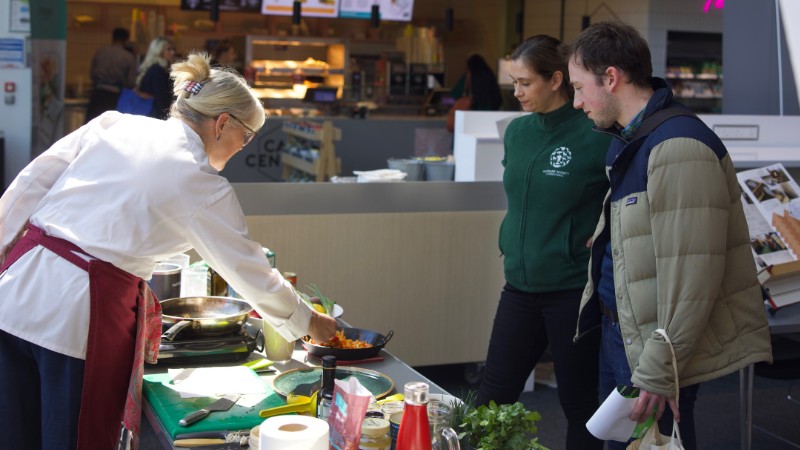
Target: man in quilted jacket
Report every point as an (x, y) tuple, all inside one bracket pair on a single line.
[(671, 249)]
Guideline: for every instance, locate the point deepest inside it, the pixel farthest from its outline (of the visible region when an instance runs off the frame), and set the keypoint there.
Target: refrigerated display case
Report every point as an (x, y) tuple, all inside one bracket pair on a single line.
[(282, 68), (694, 69)]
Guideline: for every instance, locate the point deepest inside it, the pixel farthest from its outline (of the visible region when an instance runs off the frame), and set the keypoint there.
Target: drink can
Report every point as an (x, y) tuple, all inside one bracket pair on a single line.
[(394, 426), (291, 277)]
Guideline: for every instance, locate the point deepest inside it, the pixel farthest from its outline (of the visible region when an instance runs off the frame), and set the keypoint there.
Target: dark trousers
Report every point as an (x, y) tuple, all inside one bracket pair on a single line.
[(524, 325), (100, 101), (614, 370), (41, 392)]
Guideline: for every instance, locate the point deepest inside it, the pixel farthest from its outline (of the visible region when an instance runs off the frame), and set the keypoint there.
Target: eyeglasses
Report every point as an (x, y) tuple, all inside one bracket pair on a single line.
[(249, 133)]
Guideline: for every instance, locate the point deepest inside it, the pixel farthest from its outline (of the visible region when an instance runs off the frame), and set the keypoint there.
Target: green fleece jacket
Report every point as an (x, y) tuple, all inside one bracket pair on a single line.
[(555, 183)]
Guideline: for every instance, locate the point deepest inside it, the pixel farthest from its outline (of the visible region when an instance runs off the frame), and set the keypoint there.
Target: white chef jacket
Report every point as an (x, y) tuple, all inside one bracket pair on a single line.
[(129, 190)]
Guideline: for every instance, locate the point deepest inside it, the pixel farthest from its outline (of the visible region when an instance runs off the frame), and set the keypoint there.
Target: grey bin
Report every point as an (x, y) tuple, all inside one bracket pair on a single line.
[(440, 171), (412, 167)]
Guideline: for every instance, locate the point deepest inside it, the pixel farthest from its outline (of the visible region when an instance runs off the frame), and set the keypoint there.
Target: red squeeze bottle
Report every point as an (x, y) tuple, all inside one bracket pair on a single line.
[(415, 432)]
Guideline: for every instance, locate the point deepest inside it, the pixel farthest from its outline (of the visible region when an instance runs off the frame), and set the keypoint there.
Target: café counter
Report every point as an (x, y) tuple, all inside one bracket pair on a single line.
[(365, 144)]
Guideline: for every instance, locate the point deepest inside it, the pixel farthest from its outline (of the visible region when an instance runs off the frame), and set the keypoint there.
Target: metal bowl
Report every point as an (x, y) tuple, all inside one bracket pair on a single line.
[(377, 340)]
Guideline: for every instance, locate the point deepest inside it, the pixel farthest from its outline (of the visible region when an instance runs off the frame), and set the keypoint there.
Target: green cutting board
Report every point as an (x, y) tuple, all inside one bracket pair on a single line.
[(169, 408)]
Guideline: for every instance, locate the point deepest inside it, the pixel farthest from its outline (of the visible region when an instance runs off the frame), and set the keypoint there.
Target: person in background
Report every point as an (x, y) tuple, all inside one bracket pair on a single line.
[(153, 79), (224, 54), (113, 67), (554, 180), (476, 90), (671, 250), (76, 316)]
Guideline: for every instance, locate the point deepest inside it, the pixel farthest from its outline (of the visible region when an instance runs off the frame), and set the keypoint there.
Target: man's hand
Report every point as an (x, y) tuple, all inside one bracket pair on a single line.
[(322, 327), (648, 402)]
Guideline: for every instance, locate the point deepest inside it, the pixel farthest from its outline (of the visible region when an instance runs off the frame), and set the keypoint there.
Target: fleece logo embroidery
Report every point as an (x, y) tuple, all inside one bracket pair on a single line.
[(558, 159), (630, 201)]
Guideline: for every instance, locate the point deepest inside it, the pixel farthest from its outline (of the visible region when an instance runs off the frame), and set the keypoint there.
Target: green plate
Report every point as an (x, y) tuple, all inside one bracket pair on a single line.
[(305, 381)]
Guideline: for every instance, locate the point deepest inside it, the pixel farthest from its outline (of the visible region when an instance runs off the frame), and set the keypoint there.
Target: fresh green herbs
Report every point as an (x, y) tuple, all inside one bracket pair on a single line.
[(461, 408), (501, 427)]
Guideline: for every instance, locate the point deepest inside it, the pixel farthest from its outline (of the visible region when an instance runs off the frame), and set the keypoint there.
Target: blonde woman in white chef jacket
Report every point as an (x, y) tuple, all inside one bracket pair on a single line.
[(80, 228)]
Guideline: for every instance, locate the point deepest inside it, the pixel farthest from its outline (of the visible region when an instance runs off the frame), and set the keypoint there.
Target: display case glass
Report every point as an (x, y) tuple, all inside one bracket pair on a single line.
[(281, 69)]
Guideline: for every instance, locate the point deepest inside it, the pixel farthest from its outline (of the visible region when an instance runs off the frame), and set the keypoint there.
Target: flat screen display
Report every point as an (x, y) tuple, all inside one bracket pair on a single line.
[(396, 10), (224, 5), (308, 8), (320, 95)]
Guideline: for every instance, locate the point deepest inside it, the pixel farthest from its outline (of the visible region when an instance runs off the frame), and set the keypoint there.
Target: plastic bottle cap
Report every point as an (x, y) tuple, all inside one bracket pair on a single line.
[(373, 426), (416, 393)]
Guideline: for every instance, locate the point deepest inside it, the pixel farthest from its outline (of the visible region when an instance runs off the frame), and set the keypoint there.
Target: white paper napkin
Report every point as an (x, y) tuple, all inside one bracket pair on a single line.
[(216, 381), (610, 421)]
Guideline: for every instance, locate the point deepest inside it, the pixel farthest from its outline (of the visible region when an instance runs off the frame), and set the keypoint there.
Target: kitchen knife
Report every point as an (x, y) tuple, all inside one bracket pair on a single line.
[(223, 404), (216, 434)]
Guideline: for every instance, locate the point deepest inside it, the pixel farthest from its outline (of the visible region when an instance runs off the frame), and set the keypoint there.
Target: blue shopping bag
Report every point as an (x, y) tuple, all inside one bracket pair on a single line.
[(131, 102)]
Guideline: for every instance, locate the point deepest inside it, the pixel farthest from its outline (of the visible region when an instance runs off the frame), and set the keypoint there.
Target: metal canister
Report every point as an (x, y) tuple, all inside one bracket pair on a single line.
[(394, 427), (291, 277), (166, 281)]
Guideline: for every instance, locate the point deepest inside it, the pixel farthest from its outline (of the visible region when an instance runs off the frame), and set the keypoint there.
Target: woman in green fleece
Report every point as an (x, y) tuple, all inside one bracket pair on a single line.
[(555, 183)]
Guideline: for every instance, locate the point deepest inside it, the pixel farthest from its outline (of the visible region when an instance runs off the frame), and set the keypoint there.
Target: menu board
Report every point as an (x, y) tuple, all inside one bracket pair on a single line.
[(397, 10), (309, 8), (224, 5)]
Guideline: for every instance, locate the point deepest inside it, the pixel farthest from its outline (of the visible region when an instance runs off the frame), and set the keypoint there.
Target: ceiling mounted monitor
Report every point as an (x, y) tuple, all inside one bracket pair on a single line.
[(396, 10), (224, 5), (309, 8)]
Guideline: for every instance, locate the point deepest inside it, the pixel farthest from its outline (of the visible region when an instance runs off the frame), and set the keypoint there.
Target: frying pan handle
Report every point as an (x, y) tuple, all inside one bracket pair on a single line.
[(173, 331), (388, 337)]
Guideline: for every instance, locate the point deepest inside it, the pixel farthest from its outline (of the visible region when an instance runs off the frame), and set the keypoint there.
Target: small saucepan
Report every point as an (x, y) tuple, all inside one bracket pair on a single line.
[(203, 316), (377, 340)]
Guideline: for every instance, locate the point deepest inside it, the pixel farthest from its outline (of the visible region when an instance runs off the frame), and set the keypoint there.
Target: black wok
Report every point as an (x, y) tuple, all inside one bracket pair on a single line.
[(203, 316), (377, 340)]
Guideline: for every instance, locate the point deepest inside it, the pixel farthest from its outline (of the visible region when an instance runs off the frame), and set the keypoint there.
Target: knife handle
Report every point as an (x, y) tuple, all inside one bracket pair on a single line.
[(193, 417), (197, 442)]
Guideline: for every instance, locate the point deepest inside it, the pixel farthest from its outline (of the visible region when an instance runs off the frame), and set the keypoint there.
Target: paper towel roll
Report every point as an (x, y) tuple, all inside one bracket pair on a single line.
[(293, 433)]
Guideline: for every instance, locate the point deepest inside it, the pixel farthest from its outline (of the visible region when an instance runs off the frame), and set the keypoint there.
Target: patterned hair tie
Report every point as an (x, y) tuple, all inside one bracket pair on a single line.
[(192, 87)]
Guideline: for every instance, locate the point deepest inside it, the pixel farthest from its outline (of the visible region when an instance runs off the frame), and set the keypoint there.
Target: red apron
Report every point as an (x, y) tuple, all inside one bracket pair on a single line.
[(124, 331)]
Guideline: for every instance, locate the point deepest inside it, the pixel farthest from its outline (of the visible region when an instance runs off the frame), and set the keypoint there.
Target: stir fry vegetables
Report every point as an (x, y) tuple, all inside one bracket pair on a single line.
[(340, 341)]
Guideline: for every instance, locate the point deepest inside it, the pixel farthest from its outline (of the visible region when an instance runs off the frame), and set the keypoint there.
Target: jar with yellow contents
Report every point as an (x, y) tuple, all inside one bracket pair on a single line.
[(375, 434)]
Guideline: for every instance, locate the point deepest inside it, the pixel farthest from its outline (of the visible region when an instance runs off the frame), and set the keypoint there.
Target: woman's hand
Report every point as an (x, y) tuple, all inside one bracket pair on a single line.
[(322, 327), (648, 402)]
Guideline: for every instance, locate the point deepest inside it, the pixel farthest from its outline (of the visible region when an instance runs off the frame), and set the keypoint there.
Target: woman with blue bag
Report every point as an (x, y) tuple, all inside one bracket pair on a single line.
[(153, 94)]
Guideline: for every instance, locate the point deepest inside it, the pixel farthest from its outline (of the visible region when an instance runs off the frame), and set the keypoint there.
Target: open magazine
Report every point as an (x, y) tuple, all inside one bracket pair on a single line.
[(771, 200)]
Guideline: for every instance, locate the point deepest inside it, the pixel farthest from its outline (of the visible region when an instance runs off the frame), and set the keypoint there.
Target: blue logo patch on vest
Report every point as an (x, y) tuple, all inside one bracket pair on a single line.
[(630, 201)]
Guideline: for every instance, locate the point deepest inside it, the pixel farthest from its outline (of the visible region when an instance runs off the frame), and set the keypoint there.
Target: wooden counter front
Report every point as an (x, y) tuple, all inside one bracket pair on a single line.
[(419, 258)]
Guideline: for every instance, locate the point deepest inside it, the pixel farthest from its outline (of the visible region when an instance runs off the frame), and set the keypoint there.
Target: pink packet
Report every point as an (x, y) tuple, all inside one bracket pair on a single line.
[(350, 403)]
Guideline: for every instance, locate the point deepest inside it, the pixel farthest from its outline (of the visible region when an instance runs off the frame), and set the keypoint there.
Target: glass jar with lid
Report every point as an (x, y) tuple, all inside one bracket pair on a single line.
[(375, 434)]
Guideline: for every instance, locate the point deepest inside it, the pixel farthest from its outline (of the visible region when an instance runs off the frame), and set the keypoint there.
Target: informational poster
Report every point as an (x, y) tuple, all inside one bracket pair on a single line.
[(396, 10), (20, 16), (772, 189), (12, 53), (772, 194), (48, 61), (309, 8)]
